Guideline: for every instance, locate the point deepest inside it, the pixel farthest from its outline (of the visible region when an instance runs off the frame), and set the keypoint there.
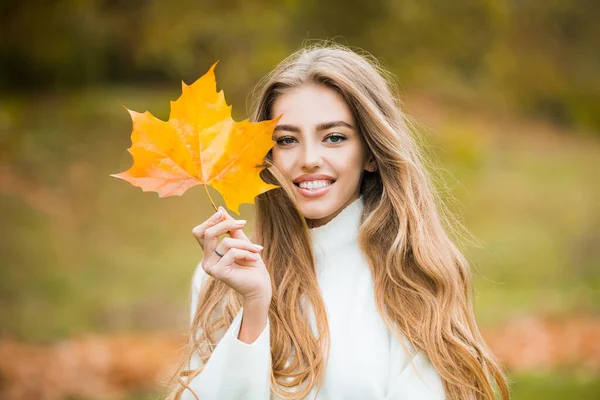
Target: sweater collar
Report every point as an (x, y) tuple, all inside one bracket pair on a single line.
[(341, 231)]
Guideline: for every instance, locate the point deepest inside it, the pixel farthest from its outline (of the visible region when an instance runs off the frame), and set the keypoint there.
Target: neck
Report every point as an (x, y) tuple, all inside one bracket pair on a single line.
[(315, 223)]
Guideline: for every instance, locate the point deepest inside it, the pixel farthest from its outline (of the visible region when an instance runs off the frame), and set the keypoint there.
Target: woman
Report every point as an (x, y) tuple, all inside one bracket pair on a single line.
[(358, 292)]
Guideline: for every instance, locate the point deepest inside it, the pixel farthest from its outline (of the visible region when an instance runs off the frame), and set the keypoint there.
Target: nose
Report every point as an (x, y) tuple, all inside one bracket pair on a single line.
[(311, 157)]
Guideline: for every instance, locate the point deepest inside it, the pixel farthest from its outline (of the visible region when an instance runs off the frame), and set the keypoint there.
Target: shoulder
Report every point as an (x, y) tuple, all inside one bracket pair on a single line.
[(415, 375), (198, 278)]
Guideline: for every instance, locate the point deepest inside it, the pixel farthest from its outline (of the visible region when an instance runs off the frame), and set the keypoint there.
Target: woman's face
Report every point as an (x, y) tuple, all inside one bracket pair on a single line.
[(318, 143)]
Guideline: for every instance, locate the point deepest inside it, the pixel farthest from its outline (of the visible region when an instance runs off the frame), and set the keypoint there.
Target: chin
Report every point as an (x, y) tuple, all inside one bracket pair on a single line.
[(316, 209), (313, 213)]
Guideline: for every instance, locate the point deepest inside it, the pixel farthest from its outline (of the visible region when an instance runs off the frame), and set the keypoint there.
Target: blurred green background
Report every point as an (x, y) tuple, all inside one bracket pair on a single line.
[(505, 94)]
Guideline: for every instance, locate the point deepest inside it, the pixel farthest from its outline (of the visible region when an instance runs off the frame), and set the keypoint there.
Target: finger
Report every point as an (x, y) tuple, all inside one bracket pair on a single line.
[(237, 234), (229, 243), (219, 269), (206, 267), (211, 234), (199, 230)]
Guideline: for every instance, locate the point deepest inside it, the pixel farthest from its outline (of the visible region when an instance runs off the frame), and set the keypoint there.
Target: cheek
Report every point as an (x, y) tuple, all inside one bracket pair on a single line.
[(281, 160), (348, 162)]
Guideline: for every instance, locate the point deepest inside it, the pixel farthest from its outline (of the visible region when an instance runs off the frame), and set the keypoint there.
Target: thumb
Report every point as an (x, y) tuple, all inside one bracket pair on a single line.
[(236, 233)]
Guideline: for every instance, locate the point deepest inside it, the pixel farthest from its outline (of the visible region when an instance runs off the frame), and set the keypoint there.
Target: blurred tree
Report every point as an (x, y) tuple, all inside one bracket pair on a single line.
[(533, 56)]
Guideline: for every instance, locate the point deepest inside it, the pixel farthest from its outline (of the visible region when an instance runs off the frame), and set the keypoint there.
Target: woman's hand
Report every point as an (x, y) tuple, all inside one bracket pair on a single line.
[(241, 266)]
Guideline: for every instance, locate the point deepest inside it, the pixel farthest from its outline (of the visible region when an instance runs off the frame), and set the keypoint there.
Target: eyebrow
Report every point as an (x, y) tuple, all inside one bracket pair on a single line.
[(321, 127)]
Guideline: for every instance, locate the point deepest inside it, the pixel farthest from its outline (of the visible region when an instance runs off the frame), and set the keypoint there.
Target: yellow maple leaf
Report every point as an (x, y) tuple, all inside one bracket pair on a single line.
[(200, 144)]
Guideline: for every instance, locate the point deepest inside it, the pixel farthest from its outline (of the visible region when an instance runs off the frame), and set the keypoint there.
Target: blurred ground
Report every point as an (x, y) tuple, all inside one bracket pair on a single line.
[(123, 366), (95, 269)]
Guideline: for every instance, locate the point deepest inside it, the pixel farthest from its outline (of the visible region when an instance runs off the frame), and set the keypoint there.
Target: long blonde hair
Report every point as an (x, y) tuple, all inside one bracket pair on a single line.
[(422, 282)]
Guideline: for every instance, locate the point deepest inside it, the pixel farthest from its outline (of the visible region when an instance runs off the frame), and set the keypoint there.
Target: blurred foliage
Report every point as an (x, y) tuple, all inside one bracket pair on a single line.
[(507, 94), (555, 385), (92, 253), (535, 57)]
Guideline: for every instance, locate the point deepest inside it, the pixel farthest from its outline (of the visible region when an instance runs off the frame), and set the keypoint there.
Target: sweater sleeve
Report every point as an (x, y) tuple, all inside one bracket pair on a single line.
[(413, 380), (235, 369)]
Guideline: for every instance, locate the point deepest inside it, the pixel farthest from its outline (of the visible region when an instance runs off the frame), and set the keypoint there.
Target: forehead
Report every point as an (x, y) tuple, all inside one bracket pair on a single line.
[(310, 105)]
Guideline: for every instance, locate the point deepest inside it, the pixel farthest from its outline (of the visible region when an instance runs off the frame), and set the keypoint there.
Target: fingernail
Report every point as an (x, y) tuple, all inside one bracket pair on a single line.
[(240, 221), (258, 246), (217, 214), (256, 256)]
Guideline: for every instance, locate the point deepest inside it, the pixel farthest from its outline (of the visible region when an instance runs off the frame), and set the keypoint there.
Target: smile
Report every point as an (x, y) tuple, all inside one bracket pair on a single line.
[(314, 188), (314, 184)]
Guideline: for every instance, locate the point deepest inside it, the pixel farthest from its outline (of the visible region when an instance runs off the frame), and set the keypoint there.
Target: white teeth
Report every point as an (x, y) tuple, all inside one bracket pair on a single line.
[(314, 184)]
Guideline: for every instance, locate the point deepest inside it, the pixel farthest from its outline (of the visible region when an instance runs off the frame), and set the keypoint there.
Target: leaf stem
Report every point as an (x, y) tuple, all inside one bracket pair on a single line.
[(210, 198)]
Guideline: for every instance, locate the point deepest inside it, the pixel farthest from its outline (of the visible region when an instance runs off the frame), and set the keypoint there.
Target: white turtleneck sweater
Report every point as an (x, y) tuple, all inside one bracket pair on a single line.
[(366, 360)]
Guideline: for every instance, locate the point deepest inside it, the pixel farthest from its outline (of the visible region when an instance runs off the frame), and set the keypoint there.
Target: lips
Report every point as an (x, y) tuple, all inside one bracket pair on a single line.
[(314, 192), (318, 192)]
